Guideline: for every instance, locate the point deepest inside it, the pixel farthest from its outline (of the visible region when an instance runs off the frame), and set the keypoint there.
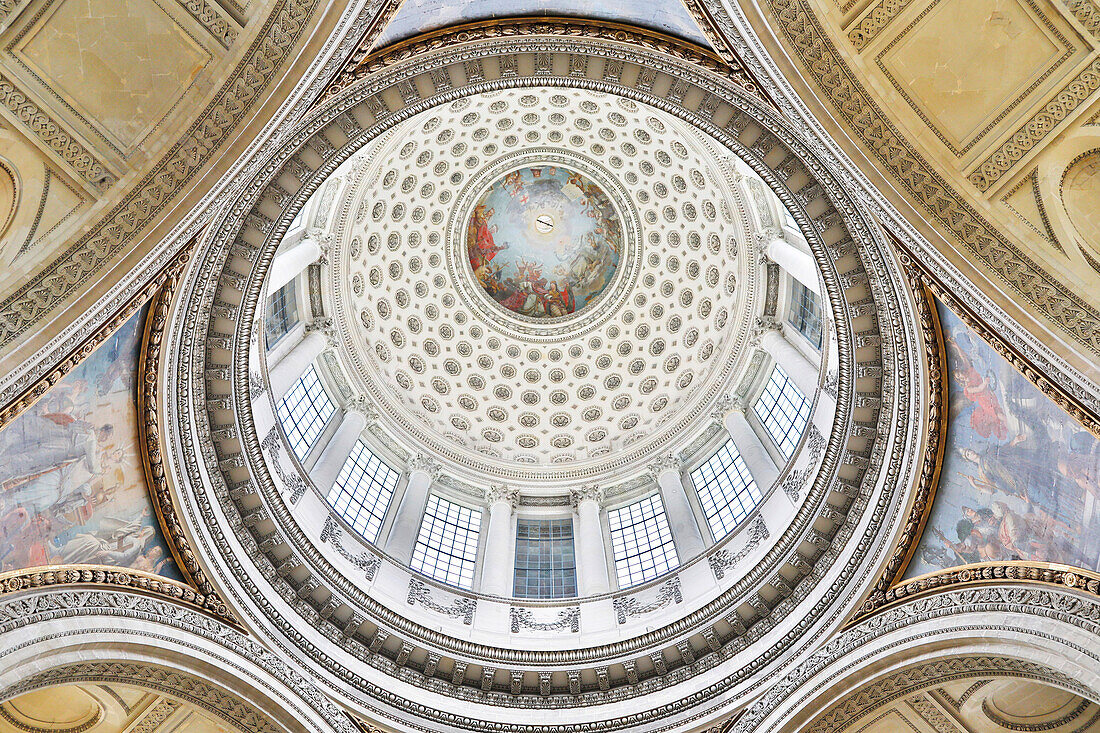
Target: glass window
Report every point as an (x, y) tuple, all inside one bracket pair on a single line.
[(805, 314), (545, 564), (363, 490), (641, 541), (726, 490), (304, 412), (446, 548), (282, 313), (783, 411)]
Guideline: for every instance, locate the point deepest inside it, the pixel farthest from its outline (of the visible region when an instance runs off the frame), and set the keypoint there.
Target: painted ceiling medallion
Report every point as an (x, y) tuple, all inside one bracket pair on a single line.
[(544, 241)]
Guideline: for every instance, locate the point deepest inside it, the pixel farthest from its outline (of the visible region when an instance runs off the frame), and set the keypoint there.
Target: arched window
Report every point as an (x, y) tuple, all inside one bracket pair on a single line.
[(446, 548), (363, 490), (641, 541), (304, 411), (783, 411), (727, 491)]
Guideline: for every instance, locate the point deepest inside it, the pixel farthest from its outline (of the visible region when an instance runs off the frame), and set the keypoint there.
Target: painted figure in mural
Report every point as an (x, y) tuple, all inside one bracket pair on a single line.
[(1020, 476), (72, 489), (544, 241)]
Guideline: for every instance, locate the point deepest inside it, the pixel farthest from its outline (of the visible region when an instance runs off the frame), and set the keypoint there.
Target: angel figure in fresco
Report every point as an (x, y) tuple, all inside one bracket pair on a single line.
[(988, 417), (482, 247), (513, 183), (560, 301)]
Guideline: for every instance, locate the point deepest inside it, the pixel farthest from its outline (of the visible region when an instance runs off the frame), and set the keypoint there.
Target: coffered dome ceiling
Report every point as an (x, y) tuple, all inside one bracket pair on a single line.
[(542, 282), (451, 169)]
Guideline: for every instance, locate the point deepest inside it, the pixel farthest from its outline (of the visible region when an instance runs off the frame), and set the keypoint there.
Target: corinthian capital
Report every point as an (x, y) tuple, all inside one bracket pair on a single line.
[(500, 492), (424, 464), (585, 493), (664, 463)]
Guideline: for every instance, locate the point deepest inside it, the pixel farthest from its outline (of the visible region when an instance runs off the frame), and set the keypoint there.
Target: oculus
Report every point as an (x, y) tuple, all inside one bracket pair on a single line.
[(544, 241)]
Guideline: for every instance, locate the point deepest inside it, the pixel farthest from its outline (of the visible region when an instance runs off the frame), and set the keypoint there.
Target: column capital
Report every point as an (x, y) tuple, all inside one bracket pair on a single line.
[(664, 463), (725, 405), (585, 493), (501, 493), (359, 403), (423, 464), (762, 326)]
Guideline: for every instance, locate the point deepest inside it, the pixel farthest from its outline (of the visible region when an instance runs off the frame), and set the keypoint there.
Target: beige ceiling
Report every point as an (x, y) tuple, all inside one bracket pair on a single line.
[(103, 708), (116, 117), (979, 119)]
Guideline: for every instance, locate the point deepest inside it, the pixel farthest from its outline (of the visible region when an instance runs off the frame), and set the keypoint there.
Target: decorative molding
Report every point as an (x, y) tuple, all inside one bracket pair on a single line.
[(365, 561), (993, 714), (825, 65), (794, 481), (65, 577), (363, 64), (568, 618), (155, 716), (64, 146), (462, 608), (628, 606), (91, 722), (220, 27), (724, 560), (874, 20)]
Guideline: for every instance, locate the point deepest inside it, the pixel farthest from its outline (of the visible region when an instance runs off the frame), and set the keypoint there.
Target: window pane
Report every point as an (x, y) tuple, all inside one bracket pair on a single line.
[(805, 314), (641, 541), (446, 548), (783, 411), (304, 411), (546, 566), (726, 490), (363, 490), (282, 314)]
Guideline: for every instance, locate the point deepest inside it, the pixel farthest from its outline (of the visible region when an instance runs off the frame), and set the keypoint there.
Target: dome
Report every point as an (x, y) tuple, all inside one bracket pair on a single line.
[(550, 387)]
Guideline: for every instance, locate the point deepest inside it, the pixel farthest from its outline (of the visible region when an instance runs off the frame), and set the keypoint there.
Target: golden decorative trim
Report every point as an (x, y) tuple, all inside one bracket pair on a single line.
[(365, 45), (364, 64), (87, 347), (707, 24), (128, 579), (890, 587), (984, 573), (152, 457), (932, 460)]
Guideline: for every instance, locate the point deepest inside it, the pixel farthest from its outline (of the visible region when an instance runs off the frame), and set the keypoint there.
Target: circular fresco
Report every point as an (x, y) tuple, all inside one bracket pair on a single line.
[(544, 241)]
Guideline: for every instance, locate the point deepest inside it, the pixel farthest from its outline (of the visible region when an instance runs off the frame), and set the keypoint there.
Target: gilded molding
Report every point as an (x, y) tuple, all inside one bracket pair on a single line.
[(936, 431), (114, 578), (86, 348), (149, 435), (362, 65)]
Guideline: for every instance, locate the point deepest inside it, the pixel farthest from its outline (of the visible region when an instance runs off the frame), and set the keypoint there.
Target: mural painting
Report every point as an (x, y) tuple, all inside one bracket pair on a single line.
[(421, 16), (544, 241), (1020, 478), (72, 487)]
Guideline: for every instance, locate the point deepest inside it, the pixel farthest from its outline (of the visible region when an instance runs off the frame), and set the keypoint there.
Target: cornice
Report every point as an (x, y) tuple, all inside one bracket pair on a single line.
[(241, 250)]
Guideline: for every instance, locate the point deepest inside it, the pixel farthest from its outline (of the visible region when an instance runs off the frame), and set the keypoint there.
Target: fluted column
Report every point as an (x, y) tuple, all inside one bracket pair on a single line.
[(757, 459), (284, 374), (500, 542), (290, 262), (406, 523), (588, 541), (681, 520), (800, 265), (336, 452)]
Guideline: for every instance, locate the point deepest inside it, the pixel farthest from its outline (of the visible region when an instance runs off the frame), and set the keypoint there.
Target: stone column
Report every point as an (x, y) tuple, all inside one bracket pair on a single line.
[(290, 262), (499, 557), (592, 569), (800, 265), (406, 523), (757, 459), (681, 519), (336, 452), (290, 368)]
